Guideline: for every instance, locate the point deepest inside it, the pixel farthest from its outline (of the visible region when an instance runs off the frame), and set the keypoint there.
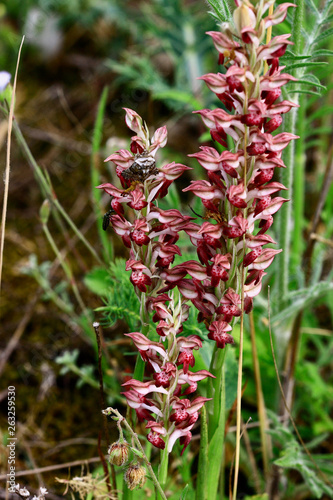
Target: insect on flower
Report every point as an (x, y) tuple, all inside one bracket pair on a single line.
[(143, 166), (106, 219)]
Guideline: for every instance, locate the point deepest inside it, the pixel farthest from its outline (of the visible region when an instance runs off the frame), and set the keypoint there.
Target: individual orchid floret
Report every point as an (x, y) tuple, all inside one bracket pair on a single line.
[(218, 332)]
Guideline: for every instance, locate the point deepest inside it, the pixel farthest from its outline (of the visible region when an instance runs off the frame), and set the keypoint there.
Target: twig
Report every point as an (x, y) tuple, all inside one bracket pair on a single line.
[(15, 338), (97, 329), (252, 460), (233, 461), (104, 464), (52, 467), (317, 237), (7, 171)]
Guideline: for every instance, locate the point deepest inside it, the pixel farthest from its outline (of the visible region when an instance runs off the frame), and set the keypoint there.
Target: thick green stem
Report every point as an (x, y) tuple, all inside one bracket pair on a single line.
[(287, 175), (163, 468), (216, 442), (299, 189), (285, 216), (215, 389), (203, 468)]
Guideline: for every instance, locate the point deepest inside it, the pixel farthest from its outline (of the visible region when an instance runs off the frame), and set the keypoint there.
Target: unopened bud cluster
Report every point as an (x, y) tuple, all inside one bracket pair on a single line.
[(118, 453), (238, 201)]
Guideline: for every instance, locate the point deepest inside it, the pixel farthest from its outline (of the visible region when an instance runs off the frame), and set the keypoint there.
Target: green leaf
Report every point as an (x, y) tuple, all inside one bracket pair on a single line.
[(216, 424), (68, 358), (201, 489), (95, 175), (98, 281), (318, 131), (323, 35), (312, 81), (221, 10), (305, 65), (137, 452), (321, 53), (263, 496), (184, 493), (301, 299), (300, 91), (179, 96), (319, 113), (313, 7), (290, 55)]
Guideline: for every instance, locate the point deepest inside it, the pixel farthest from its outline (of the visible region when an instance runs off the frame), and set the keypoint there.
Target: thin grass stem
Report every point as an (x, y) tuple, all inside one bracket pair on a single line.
[(265, 438), (48, 191), (7, 170)]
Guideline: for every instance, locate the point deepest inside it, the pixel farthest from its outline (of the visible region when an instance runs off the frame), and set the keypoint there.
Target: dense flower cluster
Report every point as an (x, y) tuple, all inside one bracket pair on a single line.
[(152, 235), (238, 195), (239, 205)]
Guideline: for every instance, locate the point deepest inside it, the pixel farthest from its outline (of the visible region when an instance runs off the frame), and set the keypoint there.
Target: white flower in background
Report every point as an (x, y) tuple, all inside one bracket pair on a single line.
[(4, 79), (42, 30)]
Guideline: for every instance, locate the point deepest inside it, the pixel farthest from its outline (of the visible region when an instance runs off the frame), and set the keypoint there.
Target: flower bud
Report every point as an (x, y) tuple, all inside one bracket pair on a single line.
[(135, 476), (118, 453), (44, 212), (244, 17)]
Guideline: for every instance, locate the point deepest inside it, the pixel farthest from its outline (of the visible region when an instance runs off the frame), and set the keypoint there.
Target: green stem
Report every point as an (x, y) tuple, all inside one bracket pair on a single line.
[(48, 192), (299, 189), (67, 270), (216, 429), (163, 468), (239, 395), (95, 175), (201, 490), (140, 364), (287, 175), (215, 389)]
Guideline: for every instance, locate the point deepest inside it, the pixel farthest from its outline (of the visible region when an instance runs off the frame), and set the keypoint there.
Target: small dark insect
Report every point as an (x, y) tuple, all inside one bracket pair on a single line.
[(143, 166), (106, 219), (218, 216)]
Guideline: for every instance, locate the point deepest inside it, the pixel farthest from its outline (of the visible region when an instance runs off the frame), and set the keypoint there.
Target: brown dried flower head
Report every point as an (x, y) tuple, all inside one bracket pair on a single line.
[(118, 453), (135, 476)]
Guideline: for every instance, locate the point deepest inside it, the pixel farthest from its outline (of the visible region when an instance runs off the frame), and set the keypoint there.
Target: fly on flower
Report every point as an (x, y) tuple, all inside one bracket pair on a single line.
[(143, 167), (106, 219)]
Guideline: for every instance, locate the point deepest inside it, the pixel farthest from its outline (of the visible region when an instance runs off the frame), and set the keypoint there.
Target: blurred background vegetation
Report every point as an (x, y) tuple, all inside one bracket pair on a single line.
[(82, 62)]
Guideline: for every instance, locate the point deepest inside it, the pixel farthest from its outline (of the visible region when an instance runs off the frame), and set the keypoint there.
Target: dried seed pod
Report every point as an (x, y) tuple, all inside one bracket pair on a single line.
[(135, 476), (118, 453)]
